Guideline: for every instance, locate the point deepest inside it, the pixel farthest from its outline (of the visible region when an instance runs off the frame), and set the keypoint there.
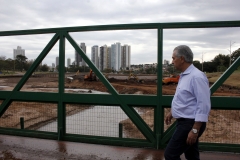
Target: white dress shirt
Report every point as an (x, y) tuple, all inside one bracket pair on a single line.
[(192, 97)]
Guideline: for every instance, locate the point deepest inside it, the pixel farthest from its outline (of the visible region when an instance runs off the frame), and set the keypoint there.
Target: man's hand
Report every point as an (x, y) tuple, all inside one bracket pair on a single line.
[(192, 138), (168, 118)]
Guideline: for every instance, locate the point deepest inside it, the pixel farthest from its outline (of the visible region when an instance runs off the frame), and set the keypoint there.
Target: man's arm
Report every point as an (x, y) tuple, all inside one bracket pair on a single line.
[(192, 137), (168, 118)]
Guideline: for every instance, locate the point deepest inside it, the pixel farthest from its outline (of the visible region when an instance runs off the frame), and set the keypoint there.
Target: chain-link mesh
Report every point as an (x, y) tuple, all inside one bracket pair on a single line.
[(40, 82), (147, 114), (103, 121), (223, 127), (34, 115)]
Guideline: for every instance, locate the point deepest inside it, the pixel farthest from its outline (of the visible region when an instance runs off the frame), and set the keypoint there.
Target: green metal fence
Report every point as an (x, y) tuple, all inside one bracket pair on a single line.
[(58, 104)]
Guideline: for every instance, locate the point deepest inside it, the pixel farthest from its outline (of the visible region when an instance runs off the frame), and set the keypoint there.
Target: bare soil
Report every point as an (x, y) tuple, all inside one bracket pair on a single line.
[(223, 126)]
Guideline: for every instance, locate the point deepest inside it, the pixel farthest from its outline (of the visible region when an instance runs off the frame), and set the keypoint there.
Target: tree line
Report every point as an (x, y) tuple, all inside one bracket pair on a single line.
[(19, 64), (219, 64)]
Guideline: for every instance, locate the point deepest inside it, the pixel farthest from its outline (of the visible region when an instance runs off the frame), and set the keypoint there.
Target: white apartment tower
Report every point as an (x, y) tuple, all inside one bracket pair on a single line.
[(18, 51), (119, 53), (116, 56), (57, 61), (68, 62), (126, 55), (94, 56), (114, 61)]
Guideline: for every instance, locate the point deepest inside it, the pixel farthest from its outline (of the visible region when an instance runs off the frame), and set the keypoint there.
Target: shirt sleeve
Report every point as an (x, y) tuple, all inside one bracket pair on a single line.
[(202, 93)]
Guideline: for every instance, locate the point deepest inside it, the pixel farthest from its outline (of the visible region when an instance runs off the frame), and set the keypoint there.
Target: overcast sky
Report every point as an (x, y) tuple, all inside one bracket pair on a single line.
[(206, 43)]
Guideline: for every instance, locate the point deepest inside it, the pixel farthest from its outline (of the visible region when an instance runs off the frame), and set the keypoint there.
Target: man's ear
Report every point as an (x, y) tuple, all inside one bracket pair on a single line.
[(182, 59)]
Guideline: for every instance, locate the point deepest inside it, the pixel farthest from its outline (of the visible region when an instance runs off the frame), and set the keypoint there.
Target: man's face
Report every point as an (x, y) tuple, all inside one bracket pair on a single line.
[(177, 61)]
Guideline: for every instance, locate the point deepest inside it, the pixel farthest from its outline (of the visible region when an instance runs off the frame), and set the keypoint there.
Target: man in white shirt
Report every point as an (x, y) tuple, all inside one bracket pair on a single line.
[(190, 106)]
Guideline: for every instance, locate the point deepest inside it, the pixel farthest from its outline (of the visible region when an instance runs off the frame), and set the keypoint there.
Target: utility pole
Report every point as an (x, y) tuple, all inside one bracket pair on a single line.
[(230, 52)]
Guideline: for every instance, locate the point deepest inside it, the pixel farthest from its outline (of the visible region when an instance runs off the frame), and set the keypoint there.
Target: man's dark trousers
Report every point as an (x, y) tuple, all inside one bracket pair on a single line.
[(177, 144)]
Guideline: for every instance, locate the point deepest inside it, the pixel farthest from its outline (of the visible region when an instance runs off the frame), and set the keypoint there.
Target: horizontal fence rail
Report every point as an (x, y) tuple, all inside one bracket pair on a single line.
[(55, 109)]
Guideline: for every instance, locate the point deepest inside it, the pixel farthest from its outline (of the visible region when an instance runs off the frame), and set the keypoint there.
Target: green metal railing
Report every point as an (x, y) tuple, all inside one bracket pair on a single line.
[(156, 138)]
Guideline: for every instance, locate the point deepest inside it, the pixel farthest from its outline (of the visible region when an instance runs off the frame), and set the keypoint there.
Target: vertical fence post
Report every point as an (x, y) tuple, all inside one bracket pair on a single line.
[(120, 131), (22, 122)]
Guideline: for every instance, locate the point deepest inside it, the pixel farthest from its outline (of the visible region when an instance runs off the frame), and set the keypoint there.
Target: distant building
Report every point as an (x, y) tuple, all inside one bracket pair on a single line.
[(68, 62), (94, 56), (83, 47), (18, 51), (116, 56), (108, 57), (119, 52), (166, 62), (3, 58), (78, 58), (57, 61), (103, 57), (126, 56), (114, 61)]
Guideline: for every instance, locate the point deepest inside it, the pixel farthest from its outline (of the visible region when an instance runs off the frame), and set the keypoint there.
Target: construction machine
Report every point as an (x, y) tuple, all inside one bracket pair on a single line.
[(90, 77), (77, 73), (135, 78), (170, 79), (132, 76)]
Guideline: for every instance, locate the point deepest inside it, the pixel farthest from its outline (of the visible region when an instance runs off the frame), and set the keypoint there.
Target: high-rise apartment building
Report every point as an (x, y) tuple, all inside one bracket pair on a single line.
[(57, 61), (18, 51), (83, 47), (109, 57), (78, 58), (68, 62), (126, 55), (116, 56), (166, 62), (3, 58), (94, 56), (114, 61), (103, 57), (119, 54)]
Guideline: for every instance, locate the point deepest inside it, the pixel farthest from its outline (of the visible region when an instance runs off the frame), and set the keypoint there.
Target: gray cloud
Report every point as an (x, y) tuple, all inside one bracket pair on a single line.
[(22, 15)]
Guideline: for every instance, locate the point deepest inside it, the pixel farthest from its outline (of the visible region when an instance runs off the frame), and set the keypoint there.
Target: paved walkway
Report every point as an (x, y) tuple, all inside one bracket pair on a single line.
[(24, 148)]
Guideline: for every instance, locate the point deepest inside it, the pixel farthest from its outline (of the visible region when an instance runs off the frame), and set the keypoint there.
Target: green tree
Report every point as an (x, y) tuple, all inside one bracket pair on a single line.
[(21, 61), (209, 67), (221, 60), (235, 55), (27, 65), (44, 68), (197, 64)]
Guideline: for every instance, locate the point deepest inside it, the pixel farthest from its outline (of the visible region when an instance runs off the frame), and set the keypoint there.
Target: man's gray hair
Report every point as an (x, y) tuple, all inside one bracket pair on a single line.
[(184, 51)]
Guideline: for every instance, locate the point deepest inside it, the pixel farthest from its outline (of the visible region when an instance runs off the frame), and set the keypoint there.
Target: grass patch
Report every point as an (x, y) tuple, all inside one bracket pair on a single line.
[(233, 79)]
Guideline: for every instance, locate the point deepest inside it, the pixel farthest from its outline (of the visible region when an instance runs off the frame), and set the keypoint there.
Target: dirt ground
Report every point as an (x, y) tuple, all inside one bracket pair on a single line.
[(223, 126)]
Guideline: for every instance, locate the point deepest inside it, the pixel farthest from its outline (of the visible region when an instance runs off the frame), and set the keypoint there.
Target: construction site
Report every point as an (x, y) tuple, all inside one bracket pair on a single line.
[(221, 127), (123, 84)]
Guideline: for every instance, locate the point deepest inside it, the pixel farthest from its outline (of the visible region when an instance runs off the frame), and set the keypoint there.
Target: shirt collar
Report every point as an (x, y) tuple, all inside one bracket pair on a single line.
[(188, 70)]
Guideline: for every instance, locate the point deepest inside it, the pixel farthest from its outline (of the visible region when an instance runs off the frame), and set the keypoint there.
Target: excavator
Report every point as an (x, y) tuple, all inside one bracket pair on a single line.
[(135, 78), (90, 77)]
